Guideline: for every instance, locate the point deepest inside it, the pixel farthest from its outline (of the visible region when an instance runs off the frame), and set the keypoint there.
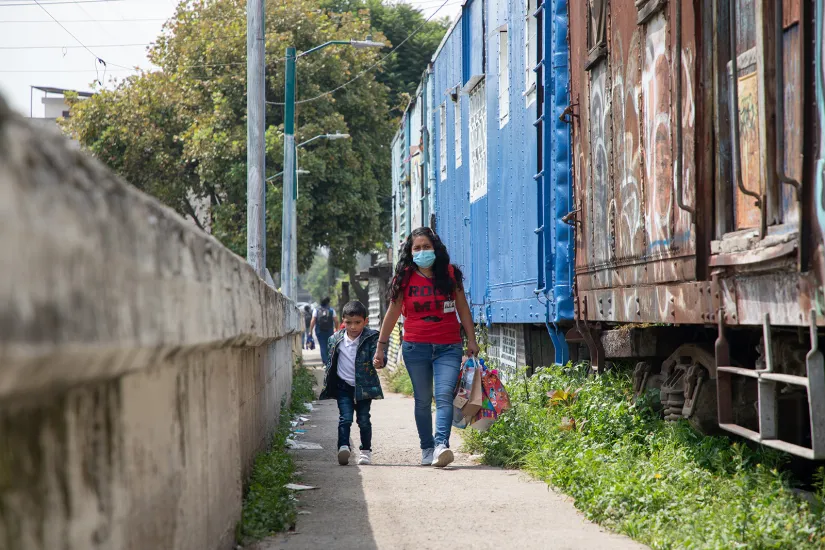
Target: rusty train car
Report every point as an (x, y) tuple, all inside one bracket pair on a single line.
[(698, 155)]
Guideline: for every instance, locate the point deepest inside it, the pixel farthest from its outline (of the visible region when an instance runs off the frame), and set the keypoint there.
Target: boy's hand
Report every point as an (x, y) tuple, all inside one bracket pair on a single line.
[(378, 359)]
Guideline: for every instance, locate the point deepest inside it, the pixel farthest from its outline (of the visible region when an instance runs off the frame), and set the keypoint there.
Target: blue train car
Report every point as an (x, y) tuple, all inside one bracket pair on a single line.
[(495, 162)]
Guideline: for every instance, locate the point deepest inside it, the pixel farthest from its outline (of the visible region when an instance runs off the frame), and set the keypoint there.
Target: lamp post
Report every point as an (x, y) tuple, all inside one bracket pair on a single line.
[(289, 233)]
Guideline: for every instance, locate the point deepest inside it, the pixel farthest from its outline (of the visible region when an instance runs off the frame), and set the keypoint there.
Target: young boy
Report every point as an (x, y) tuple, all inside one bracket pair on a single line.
[(352, 379)]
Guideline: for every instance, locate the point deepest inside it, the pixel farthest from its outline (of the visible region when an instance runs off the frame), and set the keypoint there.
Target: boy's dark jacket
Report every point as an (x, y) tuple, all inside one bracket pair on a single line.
[(367, 383)]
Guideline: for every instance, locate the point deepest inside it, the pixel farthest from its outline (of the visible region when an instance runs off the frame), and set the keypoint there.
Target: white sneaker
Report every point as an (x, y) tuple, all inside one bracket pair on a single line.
[(343, 455), (442, 456), (427, 457), (365, 458)]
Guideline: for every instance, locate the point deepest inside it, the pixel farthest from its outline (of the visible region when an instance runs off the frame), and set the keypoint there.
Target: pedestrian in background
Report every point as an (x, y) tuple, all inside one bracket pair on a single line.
[(429, 291), (323, 325), (307, 312)]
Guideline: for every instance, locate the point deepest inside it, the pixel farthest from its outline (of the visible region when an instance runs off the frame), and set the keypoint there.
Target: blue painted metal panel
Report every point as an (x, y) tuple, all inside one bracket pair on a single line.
[(492, 239), (511, 162), (558, 157), (451, 194)]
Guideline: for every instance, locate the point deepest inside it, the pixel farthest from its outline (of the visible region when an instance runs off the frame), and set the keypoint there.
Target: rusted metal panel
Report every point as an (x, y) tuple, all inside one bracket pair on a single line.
[(790, 12), (624, 147), (747, 213), (656, 137), (579, 94), (745, 25), (640, 273), (684, 237), (753, 256), (794, 99), (692, 303), (787, 297), (599, 189), (745, 300), (626, 73)]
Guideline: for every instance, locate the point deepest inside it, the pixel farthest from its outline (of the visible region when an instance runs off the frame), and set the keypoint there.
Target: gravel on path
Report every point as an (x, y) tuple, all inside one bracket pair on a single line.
[(397, 504)]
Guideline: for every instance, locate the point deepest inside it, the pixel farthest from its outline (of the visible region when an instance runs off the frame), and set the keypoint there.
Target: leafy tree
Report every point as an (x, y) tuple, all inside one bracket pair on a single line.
[(181, 132), (403, 69)]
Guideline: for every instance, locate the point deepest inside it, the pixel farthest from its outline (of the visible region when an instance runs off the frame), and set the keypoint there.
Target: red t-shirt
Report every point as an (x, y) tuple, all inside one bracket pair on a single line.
[(429, 316)]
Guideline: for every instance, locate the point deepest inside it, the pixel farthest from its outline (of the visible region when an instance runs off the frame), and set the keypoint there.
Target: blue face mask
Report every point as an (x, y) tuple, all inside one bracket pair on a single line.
[(425, 258)]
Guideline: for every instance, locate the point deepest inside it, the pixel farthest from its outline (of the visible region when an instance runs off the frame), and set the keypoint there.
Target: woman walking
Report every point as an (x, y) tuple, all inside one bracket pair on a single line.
[(429, 291)]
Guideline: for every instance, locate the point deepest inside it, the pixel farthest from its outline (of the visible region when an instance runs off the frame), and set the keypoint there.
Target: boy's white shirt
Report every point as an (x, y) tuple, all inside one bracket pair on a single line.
[(346, 358)]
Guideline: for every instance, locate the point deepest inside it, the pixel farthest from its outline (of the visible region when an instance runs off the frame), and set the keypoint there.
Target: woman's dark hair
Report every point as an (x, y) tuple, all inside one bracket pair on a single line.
[(325, 301), (444, 284), (355, 309)]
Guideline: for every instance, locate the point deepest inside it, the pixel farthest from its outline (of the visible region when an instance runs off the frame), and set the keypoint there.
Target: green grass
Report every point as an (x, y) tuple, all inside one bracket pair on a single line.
[(661, 483), (399, 380), (269, 507)]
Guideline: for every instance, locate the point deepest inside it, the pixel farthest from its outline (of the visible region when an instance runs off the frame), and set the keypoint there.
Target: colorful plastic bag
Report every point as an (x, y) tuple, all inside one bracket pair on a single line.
[(469, 393), (494, 391), (495, 400)]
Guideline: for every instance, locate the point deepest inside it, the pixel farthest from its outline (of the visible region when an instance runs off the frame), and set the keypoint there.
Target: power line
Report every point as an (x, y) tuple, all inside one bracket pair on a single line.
[(63, 71), (36, 3), (365, 71), (66, 21), (97, 57), (70, 47)]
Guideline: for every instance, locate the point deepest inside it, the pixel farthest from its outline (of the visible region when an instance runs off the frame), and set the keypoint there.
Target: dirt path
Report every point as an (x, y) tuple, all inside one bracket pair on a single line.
[(395, 503)]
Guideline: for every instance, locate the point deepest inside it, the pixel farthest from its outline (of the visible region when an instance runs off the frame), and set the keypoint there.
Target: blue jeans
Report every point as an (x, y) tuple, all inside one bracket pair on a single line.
[(425, 363), (323, 339), (346, 408)]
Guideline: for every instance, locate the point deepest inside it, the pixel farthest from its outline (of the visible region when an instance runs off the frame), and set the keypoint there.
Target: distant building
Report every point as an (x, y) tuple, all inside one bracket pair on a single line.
[(54, 104)]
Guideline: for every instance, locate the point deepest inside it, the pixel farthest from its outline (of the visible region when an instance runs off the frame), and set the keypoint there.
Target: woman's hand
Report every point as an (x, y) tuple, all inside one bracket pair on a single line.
[(472, 349), (378, 359)]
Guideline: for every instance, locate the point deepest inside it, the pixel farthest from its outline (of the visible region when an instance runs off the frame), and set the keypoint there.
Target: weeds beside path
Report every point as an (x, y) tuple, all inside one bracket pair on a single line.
[(268, 506), (398, 380), (661, 483)]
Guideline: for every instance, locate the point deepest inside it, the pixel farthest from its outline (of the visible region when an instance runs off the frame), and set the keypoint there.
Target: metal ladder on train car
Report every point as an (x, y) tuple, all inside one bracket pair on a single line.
[(768, 382), (544, 25)]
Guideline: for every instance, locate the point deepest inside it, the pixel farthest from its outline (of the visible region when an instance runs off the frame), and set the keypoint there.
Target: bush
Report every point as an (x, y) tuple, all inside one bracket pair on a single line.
[(268, 506), (661, 483), (398, 381)]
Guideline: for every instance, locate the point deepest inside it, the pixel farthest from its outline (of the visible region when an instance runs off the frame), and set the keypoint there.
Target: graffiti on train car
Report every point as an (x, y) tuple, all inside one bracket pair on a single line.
[(657, 143), (630, 226), (625, 155), (599, 113), (747, 215)]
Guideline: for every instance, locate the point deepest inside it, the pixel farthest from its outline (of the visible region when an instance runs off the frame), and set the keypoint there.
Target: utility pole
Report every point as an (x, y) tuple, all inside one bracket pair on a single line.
[(255, 138), (288, 233)]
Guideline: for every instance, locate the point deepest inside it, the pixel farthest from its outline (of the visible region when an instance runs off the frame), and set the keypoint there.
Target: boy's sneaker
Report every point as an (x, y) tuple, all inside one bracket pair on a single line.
[(427, 457), (442, 456), (365, 458), (343, 455)]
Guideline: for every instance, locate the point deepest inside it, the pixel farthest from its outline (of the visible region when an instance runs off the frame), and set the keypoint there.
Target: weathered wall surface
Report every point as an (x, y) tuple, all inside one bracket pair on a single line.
[(141, 363)]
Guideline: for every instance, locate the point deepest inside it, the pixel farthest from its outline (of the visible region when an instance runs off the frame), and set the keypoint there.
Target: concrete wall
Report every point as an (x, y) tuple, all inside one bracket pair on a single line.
[(142, 364)]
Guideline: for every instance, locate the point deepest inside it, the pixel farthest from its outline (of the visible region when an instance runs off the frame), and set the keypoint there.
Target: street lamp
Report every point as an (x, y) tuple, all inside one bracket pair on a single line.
[(289, 235), (331, 137), (281, 173)]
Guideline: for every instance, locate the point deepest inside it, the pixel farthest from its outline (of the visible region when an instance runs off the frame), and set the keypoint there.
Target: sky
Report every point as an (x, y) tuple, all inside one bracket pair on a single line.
[(42, 42)]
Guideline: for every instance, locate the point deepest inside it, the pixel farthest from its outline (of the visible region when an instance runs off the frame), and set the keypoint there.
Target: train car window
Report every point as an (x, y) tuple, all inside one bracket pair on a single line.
[(530, 57), (503, 79), (596, 31), (647, 9), (442, 140), (457, 131)]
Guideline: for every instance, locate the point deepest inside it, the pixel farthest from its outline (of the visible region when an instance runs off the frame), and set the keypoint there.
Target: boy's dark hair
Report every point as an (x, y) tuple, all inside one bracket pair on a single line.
[(354, 309), (325, 302)]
